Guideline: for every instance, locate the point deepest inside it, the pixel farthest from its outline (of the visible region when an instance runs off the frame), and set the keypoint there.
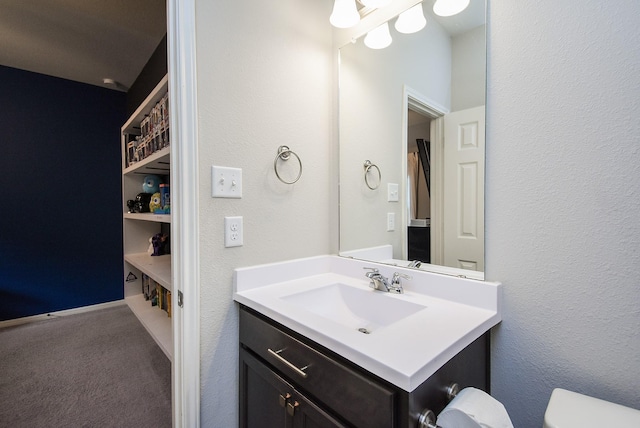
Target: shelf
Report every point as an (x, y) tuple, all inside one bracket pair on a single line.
[(158, 163), (158, 267), (155, 320), (138, 227), (158, 218), (145, 107)]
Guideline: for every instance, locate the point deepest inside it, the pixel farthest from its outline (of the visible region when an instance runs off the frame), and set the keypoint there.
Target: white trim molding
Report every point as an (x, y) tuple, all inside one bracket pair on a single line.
[(184, 227), (57, 314), (414, 100)]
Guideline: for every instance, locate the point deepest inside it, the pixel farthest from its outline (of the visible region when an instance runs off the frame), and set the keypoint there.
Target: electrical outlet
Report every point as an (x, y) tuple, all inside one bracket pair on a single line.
[(226, 182), (233, 231), (391, 222)]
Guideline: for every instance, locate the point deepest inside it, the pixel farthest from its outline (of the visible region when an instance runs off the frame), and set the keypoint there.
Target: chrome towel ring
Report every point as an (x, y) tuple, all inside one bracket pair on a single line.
[(367, 167), (285, 153)]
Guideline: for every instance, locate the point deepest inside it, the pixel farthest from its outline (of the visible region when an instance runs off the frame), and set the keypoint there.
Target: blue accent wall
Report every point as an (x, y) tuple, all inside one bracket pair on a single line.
[(60, 183)]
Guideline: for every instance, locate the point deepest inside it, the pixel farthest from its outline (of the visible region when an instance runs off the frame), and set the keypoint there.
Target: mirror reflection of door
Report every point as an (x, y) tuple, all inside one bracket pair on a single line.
[(459, 241), (463, 202)]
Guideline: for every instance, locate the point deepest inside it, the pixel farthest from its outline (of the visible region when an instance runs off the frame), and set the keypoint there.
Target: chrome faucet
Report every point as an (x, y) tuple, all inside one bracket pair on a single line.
[(380, 282), (396, 287)]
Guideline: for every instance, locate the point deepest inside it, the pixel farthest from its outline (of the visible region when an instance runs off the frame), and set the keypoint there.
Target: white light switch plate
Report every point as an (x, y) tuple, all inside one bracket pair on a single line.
[(233, 231), (392, 192), (226, 182)]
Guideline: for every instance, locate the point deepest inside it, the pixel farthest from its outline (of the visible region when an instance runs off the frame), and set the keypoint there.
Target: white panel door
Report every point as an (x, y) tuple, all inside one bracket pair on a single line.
[(464, 146)]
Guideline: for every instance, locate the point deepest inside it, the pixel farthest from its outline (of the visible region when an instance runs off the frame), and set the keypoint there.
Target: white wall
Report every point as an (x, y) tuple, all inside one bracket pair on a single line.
[(563, 184), (264, 79), (563, 200), (371, 127), (468, 69)]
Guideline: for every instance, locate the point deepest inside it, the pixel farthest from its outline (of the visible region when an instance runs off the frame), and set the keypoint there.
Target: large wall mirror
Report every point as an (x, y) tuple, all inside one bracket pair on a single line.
[(412, 143)]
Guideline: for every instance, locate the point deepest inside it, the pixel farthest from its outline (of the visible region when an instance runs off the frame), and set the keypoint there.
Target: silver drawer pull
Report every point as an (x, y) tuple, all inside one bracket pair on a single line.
[(287, 363)]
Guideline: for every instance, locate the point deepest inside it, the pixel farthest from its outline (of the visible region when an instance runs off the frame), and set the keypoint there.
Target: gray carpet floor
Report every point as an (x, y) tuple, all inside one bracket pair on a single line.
[(95, 369)]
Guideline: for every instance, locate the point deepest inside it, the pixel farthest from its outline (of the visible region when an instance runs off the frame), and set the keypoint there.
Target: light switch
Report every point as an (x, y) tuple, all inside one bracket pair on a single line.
[(392, 192), (226, 182)]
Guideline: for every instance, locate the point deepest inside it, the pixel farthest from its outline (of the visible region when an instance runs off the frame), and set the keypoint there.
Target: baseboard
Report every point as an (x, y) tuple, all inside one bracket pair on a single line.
[(50, 315)]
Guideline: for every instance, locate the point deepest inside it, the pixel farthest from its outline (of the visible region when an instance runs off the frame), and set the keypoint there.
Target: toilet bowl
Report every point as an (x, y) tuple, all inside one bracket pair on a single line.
[(568, 409)]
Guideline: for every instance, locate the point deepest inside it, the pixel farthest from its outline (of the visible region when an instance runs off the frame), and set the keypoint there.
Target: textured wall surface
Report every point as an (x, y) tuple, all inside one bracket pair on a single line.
[(264, 79), (562, 205), (61, 220), (563, 200)]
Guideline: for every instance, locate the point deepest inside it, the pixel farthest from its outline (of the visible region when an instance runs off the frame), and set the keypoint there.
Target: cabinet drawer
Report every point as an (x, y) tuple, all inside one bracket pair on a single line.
[(348, 394)]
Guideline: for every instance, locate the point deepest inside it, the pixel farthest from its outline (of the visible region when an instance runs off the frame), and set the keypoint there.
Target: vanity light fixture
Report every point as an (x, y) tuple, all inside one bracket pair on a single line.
[(379, 37), (345, 14), (449, 7), (412, 20)]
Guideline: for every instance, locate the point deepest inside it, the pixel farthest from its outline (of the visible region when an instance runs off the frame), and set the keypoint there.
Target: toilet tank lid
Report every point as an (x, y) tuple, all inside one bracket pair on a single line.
[(567, 409)]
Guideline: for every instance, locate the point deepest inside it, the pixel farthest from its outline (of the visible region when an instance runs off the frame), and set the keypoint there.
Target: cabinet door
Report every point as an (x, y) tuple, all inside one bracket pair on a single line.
[(354, 397), (308, 415), (268, 401), (263, 396)]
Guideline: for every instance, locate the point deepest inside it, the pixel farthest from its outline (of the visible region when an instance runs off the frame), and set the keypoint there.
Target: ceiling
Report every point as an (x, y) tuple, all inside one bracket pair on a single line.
[(81, 40), (92, 40)]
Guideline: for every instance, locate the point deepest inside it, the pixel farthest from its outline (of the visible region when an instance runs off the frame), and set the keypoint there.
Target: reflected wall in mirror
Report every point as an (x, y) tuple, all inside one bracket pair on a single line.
[(416, 111)]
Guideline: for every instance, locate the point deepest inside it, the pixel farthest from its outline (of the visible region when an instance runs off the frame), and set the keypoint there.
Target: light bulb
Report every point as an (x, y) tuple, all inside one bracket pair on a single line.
[(375, 3), (449, 7), (411, 20), (379, 37), (345, 14)]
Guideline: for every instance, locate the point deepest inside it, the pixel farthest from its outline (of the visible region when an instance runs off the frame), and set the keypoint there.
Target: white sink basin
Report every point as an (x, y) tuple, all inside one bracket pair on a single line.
[(327, 299), (365, 310)]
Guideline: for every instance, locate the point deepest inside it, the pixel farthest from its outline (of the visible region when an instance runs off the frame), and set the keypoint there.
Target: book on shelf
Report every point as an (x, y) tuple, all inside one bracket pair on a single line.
[(156, 294), (168, 303), (153, 135), (130, 141), (164, 299), (146, 286)]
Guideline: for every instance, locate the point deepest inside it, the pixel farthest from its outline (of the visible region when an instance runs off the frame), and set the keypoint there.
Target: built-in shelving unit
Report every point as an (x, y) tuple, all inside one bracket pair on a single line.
[(156, 163), (158, 268), (155, 321), (139, 227)]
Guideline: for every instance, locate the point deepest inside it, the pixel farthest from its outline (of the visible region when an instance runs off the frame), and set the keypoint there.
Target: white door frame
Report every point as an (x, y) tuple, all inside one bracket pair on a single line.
[(184, 222), (414, 100), (437, 191)]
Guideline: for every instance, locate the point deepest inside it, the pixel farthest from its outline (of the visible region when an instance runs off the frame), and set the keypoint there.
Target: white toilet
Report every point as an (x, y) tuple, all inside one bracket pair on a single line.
[(473, 408), (568, 409)]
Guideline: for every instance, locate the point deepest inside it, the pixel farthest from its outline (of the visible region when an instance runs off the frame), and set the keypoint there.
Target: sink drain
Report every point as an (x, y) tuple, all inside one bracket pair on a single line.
[(364, 330)]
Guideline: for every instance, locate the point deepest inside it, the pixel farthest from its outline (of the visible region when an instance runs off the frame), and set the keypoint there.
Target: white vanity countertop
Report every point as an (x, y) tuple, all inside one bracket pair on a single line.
[(405, 353)]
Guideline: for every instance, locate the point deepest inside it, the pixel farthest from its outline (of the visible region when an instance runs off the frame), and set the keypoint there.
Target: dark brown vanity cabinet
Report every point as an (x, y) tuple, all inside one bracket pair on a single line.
[(271, 401), (287, 380)]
